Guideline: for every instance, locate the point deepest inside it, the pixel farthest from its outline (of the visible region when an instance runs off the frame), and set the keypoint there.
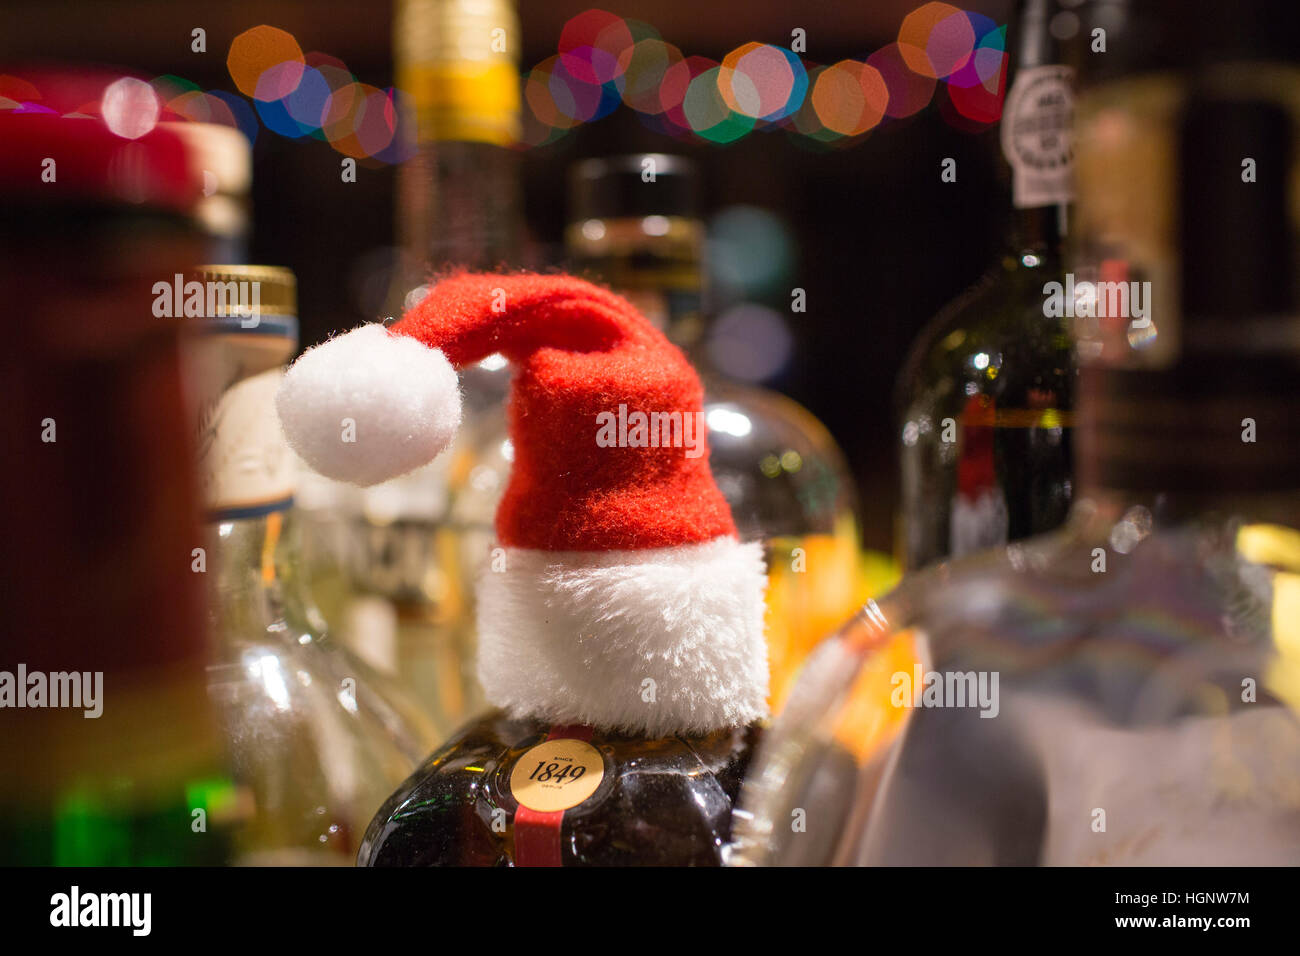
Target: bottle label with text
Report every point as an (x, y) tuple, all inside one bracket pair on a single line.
[(1036, 136)]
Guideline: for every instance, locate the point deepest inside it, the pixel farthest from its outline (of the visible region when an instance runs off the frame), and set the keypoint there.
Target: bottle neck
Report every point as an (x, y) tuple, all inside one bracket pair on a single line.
[(1036, 131), (1040, 231), (458, 194), (656, 261), (459, 205), (260, 582)]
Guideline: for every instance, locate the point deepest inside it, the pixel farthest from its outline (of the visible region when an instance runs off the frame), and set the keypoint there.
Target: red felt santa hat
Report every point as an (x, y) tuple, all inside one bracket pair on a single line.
[(626, 600)]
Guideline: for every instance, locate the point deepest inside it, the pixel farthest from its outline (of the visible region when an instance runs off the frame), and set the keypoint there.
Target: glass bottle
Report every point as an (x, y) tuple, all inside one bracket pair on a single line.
[(625, 801), (317, 739), (779, 468), (986, 392), (1126, 689), (408, 542), (109, 752)]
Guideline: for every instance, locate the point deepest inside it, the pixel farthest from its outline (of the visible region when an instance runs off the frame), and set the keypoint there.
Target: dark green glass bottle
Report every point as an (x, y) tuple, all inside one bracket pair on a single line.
[(986, 393)]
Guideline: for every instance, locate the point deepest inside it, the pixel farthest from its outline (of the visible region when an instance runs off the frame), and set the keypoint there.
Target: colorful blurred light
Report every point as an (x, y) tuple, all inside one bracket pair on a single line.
[(646, 64), (603, 60), (979, 102), (909, 92), (762, 81), (707, 111), (935, 39), (985, 61), (130, 107), (261, 51), (306, 104), (592, 46), (850, 98)]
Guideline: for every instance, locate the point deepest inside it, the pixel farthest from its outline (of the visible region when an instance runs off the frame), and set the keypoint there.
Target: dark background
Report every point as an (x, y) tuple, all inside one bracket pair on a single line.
[(881, 242)]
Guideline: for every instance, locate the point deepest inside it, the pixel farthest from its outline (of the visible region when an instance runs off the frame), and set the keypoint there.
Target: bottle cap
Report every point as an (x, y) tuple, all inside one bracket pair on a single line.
[(278, 288), (458, 61)]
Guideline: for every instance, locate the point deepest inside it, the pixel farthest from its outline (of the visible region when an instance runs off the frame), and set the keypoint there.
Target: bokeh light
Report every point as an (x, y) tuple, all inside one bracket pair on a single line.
[(707, 111), (592, 46), (645, 65), (749, 342), (909, 92), (751, 253), (130, 107), (306, 104), (985, 60), (977, 98), (762, 81), (850, 98), (935, 39), (265, 50), (603, 61)]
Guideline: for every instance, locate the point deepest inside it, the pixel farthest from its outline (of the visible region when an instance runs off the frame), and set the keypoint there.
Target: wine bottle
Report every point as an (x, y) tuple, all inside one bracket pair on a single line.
[(986, 392)]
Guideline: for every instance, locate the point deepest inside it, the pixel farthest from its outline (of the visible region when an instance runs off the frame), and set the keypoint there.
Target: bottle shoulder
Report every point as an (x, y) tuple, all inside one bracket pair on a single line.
[(993, 339)]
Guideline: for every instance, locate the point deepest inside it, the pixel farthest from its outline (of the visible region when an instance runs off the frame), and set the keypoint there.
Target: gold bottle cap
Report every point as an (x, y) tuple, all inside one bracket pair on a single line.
[(277, 288), (459, 62)]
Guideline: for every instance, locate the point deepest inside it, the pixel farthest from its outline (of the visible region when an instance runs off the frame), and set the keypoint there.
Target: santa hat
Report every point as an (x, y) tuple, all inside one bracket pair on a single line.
[(625, 600)]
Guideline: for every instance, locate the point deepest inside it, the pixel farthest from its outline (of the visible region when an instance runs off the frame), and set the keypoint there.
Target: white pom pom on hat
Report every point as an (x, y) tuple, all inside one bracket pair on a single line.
[(367, 406)]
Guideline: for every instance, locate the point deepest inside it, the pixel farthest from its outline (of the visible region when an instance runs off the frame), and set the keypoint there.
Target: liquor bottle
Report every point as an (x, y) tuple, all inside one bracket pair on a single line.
[(459, 202), (620, 628), (986, 391), (1125, 690), (316, 739), (634, 224), (109, 752), (458, 206)]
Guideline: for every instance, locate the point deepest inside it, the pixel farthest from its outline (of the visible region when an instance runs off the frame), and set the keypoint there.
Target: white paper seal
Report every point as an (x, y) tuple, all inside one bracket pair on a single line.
[(1036, 136)]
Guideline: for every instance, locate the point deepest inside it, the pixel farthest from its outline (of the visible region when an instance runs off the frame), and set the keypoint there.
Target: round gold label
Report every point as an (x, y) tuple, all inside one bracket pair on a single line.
[(556, 775)]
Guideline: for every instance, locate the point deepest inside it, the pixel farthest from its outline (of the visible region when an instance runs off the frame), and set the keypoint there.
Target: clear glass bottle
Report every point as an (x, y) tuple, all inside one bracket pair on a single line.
[(416, 542), (779, 468), (986, 393), (1125, 690), (317, 740)]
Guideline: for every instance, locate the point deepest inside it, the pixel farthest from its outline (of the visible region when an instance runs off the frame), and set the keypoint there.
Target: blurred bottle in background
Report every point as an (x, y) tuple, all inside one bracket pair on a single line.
[(222, 158), (109, 751), (634, 225), (986, 393), (405, 552), (1126, 689), (317, 739)]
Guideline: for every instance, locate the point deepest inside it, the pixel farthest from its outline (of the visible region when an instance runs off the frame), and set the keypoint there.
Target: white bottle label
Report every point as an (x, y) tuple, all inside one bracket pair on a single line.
[(244, 464), (1037, 137)]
